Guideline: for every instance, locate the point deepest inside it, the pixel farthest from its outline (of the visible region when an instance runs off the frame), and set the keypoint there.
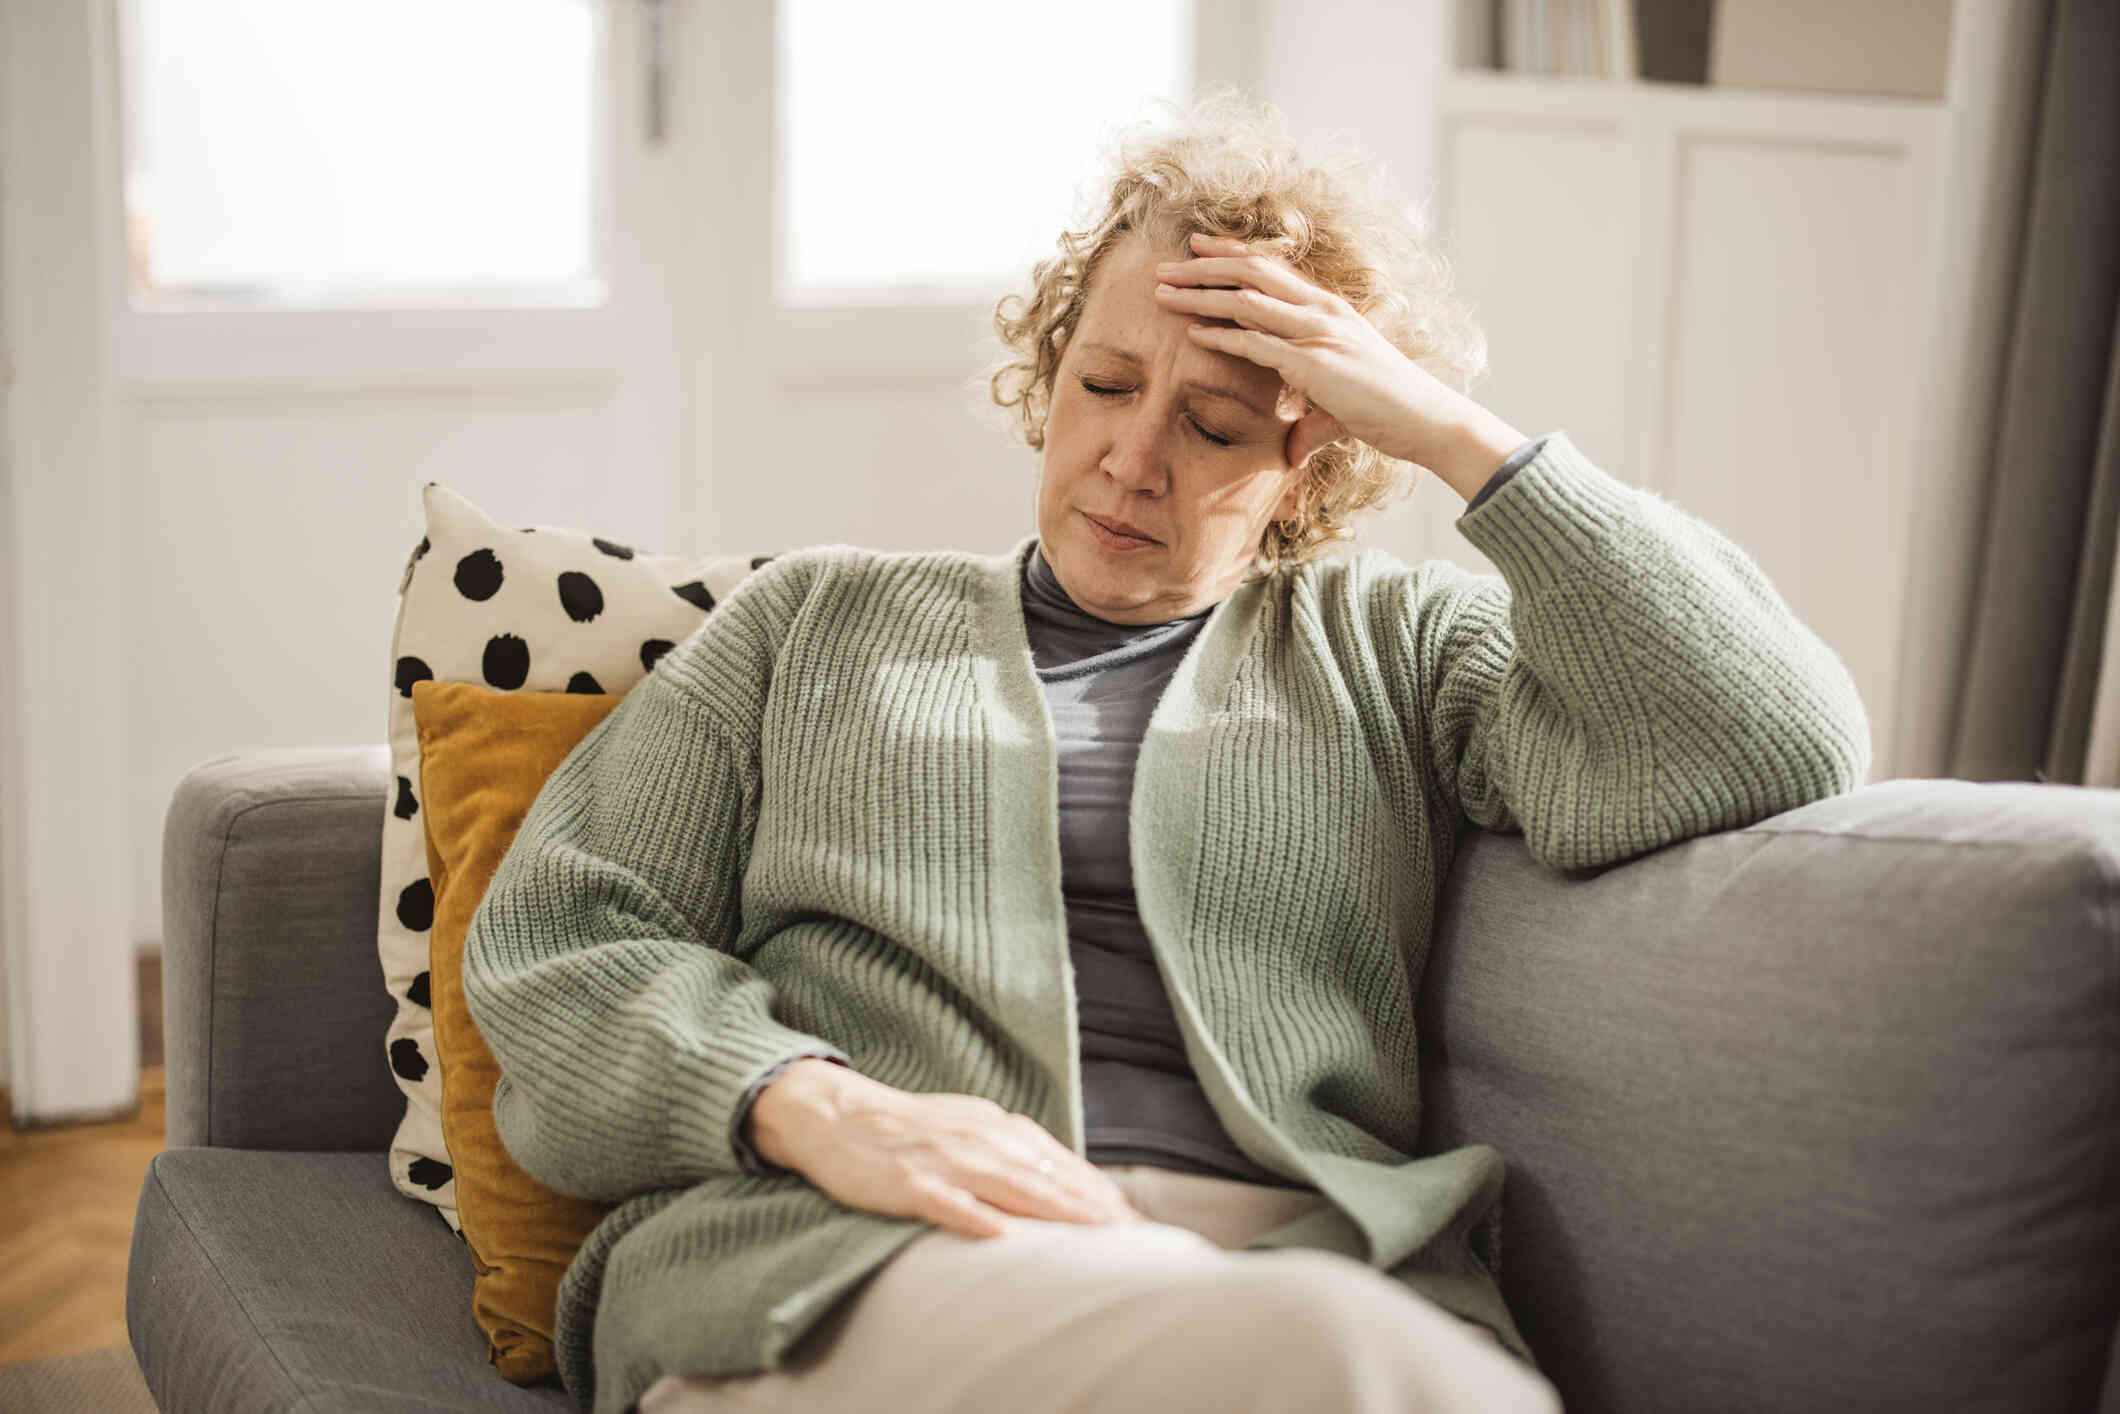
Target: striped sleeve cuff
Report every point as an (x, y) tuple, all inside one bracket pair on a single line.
[(1507, 469)]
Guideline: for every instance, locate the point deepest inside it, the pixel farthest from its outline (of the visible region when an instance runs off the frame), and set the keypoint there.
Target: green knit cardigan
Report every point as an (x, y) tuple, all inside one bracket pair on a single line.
[(828, 820)]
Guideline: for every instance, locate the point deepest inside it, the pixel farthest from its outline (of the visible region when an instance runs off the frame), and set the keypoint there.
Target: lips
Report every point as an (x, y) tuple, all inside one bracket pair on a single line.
[(1120, 527)]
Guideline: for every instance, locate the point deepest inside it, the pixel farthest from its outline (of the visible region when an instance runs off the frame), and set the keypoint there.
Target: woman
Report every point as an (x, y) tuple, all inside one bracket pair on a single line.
[(987, 981)]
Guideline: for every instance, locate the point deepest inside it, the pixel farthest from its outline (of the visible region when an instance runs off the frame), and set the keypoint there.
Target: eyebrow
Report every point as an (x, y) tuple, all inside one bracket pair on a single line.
[(1213, 390)]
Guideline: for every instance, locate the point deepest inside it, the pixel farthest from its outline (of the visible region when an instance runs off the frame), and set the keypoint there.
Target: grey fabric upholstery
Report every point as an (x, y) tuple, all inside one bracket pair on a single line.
[(272, 995), (1824, 1113), (280, 1281)]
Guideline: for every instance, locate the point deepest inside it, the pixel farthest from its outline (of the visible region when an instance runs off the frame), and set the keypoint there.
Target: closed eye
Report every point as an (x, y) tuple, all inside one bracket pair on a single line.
[(1104, 392)]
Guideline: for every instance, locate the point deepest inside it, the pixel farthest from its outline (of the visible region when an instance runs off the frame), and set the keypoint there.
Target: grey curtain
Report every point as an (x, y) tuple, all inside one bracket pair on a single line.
[(2043, 592)]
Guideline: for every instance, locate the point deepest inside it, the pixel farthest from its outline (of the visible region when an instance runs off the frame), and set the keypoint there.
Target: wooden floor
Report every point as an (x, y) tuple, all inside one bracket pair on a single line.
[(67, 1198)]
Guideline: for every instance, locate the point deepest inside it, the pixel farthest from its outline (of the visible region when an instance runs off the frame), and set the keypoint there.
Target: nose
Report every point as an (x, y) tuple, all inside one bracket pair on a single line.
[(1138, 457)]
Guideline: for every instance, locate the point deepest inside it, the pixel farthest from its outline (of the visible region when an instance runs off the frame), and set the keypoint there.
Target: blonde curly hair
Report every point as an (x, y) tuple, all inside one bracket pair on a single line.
[(1227, 169)]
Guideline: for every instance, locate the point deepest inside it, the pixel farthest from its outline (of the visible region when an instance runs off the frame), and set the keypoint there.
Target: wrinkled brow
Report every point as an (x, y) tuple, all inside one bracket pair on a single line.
[(1212, 390)]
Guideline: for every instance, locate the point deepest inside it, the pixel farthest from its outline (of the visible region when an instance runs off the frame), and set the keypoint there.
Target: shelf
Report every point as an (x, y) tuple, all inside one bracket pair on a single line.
[(1858, 117), (1810, 50)]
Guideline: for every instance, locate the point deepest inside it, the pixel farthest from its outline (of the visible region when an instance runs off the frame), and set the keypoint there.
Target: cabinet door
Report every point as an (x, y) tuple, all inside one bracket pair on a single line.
[(1717, 295)]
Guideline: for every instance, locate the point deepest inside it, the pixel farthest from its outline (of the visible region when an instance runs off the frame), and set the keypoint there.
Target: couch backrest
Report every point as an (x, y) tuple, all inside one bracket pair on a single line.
[(274, 1010), (1819, 1114)]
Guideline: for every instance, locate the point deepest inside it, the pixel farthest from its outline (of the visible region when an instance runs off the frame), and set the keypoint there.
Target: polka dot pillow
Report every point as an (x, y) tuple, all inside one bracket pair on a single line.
[(538, 609)]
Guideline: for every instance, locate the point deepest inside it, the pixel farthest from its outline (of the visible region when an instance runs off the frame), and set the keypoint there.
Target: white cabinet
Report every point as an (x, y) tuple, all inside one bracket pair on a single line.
[(1780, 311)]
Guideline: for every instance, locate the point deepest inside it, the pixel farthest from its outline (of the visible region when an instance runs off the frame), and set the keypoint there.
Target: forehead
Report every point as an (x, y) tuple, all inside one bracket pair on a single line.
[(1122, 312)]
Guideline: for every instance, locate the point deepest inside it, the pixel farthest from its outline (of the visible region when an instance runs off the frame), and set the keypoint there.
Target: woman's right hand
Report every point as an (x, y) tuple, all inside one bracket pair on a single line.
[(961, 1162)]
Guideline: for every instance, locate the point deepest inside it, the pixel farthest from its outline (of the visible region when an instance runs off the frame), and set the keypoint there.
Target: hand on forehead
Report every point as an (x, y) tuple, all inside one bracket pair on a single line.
[(1289, 403)]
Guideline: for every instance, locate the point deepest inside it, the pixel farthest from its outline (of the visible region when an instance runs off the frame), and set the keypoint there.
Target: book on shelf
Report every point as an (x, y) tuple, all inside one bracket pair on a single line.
[(1566, 38)]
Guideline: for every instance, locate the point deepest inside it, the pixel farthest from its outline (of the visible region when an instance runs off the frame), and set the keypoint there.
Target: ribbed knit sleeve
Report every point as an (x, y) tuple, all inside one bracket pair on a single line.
[(598, 966), (1632, 680)]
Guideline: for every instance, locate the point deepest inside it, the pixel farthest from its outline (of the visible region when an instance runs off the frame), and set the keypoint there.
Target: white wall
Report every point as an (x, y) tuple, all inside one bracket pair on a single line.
[(69, 961), (10, 748)]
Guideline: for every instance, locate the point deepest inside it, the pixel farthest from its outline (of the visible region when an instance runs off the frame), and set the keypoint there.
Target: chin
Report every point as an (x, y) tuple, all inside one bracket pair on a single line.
[(1110, 586)]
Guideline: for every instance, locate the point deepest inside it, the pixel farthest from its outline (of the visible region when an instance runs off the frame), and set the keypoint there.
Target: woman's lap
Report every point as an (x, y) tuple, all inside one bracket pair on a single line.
[(1163, 1315)]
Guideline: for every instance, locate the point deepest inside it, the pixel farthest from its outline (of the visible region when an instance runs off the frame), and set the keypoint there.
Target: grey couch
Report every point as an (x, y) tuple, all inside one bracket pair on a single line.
[(1823, 1114)]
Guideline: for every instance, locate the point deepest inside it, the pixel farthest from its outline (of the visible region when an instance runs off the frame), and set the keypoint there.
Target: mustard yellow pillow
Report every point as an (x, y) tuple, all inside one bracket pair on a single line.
[(484, 756)]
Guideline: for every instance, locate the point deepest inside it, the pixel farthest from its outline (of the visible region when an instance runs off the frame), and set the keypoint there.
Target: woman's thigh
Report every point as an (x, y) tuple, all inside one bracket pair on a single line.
[(1162, 1315)]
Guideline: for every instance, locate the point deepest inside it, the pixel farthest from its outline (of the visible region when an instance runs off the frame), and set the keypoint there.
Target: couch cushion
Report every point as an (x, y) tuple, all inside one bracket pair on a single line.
[(484, 757), (276, 1281)]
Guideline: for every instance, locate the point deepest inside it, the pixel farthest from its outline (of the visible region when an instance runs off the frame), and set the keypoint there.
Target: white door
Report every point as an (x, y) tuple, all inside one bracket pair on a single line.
[(885, 175), (268, 269)]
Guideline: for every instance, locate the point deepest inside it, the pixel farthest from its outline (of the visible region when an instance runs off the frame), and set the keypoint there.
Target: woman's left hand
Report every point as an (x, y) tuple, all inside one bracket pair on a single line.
[(1359, 384)]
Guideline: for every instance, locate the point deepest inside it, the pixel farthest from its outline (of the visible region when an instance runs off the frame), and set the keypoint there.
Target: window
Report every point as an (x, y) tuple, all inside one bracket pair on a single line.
[(308, 152), (930, 149)]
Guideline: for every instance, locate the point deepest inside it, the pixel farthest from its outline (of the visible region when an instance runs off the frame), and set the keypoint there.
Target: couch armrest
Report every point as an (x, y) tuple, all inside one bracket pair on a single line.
[(273, 1004), (1824, 1107)]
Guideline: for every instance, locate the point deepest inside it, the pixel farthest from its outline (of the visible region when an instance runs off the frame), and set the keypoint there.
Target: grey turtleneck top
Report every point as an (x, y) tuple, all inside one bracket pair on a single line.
[(1142, 1103)]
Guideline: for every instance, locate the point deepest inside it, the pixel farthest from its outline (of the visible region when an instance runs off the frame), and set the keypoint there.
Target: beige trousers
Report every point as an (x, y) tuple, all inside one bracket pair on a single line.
[(1161, 1316)]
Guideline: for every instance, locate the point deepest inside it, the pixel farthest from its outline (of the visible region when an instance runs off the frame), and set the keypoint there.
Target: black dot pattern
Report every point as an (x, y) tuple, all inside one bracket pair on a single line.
[(430, 1174), (652, 650), (694, 592), (478, 575), (406, 806), (582, 682), (417, 992), (410, 671), (407, 1061), (612, 548), (415, 905), (506, 664), (580, 597)]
